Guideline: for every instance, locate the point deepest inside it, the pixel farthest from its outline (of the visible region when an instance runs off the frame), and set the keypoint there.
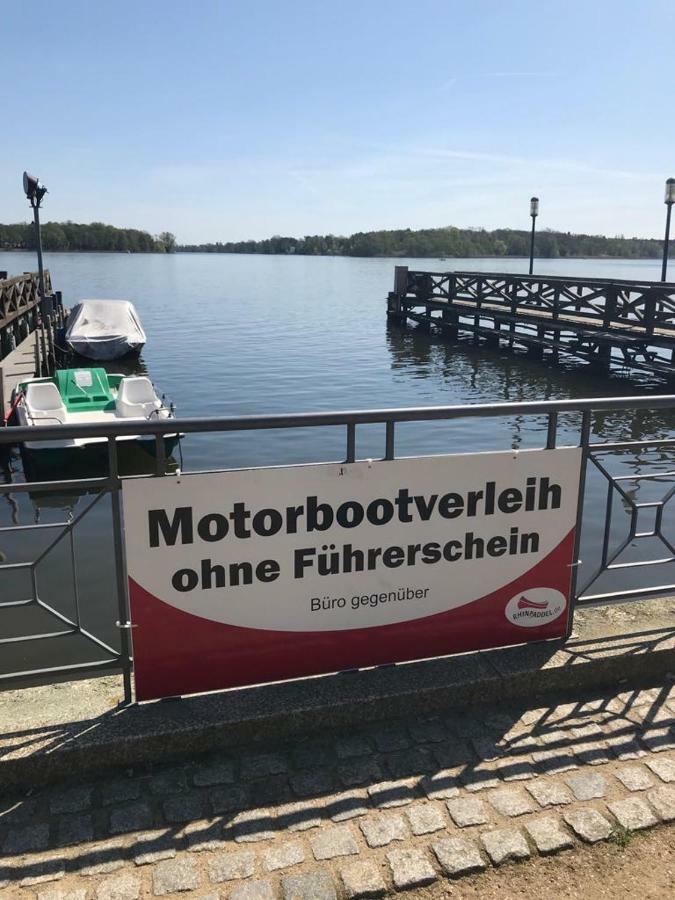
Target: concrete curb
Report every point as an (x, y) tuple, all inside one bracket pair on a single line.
[(270, 713)]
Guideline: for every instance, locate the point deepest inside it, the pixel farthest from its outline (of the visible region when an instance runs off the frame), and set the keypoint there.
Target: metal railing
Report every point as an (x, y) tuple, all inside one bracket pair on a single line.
[(110, 484)]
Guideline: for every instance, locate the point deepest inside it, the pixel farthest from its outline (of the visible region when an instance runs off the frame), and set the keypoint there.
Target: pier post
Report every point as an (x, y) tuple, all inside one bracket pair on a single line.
[(450, 324), (395, 308)]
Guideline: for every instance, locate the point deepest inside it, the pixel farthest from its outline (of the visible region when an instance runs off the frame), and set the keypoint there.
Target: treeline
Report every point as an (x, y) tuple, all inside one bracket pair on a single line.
[(439, 242), (95, 236)]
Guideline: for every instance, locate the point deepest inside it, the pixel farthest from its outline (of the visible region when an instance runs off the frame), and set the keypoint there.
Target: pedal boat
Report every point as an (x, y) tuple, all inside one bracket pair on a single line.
[(87, 395)]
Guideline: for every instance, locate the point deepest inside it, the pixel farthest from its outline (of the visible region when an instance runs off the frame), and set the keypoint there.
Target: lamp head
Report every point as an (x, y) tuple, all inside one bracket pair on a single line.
[(33, 189), (670, 191), (534, 206)]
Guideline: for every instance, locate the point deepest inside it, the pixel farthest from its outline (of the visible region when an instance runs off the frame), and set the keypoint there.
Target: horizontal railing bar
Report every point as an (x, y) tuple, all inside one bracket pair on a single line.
[(315, 419), (38, 637), (644, 562), (76, 671), (630, 445), (666, 287), (39, 487), (33, 527), (634, 593)]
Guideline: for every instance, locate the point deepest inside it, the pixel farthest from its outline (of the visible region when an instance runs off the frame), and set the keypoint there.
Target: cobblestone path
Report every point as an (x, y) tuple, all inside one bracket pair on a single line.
[(361, 812)]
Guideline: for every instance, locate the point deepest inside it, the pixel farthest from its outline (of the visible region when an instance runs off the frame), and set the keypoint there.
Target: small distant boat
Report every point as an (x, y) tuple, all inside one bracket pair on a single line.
[(104, 329), (78, 396)]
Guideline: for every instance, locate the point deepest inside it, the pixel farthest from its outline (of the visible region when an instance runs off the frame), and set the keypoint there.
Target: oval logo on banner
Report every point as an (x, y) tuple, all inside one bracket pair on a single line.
[(534, 607)]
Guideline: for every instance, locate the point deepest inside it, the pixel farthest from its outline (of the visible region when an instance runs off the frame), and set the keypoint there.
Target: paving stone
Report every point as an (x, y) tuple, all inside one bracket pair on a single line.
[(587, 785), (312, 782), (57, 894), (335, 841), (231, 865), (228, 799), (549, 793), (387, 794), (458, 856), (26, 840), (38, 870), (452, 754), (121, 790), (466, 725), (380, 830), (440, 786), (511, 802), (360, 770), (480, 777), (633, 814), (204, 835), (592, 753), (467, 811), (548, 835), (18, 812), (213, 773), (101, 858), (317, 885), (657, 739), (253, 890), (258, 765), (348, 805), (153, 846), (362, 879), (487, 748), (299, 816), (504, 844), (270, 791), (663, 800), (119, 887), (168, 781), (71, 800), (514, 769), (663, 767), (405, 763), (174, 875), (390, 738), (283, 855), (554, 762), (428, 730), (410, 868), (183, 807), (625, 747), (132, 817), (588, 824), (75, 829), (425, 818), (253, 825), (635, 778), (312, 753), (352, 745)]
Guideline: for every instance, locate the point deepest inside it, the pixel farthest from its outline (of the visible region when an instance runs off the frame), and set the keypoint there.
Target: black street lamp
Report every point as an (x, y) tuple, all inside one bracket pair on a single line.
[(668, 200), (35, 192), (534, 212)]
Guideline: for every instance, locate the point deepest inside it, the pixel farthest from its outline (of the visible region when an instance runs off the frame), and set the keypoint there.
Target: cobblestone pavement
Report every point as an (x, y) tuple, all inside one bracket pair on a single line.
[(361, 812)]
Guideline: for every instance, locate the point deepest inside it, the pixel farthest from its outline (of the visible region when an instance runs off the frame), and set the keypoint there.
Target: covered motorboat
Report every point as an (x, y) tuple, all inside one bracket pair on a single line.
[(104, 329)]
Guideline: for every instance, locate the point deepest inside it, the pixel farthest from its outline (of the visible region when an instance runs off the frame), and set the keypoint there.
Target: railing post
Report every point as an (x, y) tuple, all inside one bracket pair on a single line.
[(584, 441), (120, 568), (610, 306)]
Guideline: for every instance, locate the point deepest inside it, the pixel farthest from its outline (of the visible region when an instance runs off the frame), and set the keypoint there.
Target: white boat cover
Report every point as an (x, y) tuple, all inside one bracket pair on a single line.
[(104, 329)]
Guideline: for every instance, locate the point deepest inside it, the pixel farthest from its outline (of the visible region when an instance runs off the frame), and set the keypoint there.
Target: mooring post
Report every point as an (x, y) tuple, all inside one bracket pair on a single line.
[(395, 298)]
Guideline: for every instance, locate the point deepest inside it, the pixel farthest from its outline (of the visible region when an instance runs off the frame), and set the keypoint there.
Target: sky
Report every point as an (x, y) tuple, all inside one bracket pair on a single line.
[(221, 120)]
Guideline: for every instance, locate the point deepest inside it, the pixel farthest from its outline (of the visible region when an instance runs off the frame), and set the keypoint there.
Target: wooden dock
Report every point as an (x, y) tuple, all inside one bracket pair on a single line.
[(625, 323), (26, 331)]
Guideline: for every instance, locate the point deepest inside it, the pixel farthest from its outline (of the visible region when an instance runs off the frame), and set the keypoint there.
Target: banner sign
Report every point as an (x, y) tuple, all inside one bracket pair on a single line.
[(242, 577)]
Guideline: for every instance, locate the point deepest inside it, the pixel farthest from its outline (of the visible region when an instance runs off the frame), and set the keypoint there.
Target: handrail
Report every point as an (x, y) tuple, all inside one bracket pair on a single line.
[(16, 434)]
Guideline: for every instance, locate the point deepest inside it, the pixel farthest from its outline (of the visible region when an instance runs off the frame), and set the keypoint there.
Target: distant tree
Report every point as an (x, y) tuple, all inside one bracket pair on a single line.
[(167, 241)]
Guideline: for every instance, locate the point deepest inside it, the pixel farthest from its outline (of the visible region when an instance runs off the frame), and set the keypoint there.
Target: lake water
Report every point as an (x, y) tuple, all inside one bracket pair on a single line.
[(239, 334)]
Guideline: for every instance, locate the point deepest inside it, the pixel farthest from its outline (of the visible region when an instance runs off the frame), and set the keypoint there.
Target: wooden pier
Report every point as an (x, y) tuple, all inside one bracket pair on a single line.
[(630, 324), (27, 329)]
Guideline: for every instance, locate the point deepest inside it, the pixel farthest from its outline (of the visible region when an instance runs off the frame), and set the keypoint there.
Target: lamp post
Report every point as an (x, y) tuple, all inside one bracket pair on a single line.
[(668, 200), (35, 192), (534, 212)]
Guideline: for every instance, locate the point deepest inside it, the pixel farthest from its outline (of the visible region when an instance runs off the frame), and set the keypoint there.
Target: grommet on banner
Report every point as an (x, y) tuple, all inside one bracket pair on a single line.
[(573, 565), (125, 625), (514, 448), (370, 463), (177, 474)]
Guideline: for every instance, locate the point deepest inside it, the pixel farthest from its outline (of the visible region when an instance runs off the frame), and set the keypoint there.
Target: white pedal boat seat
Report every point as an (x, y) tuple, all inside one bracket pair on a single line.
[(136, 398), (43, 401)]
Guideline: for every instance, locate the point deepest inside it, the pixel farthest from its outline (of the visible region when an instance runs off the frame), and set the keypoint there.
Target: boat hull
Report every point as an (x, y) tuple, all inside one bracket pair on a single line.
[(68, 462)]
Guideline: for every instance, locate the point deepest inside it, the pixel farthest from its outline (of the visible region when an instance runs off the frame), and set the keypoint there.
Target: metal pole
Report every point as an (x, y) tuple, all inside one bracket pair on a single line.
[(664, 267), (534, 218), (120, 569), (38, 244)]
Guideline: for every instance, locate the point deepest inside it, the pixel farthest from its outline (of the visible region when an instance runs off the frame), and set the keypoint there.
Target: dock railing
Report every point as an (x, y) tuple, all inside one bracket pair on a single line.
[(594, 318), (590, 416)]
